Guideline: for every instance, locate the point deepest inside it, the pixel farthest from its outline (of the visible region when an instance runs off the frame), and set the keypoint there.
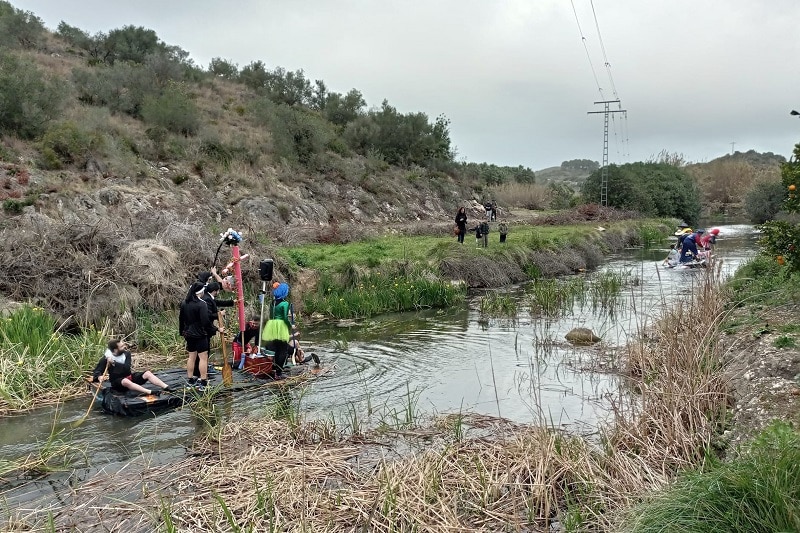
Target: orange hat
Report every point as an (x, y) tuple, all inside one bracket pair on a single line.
[(275, 285)]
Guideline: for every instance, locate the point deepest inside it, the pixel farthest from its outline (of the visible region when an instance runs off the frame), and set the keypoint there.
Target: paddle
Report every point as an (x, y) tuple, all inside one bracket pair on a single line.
[(96, 392), (227, 375)]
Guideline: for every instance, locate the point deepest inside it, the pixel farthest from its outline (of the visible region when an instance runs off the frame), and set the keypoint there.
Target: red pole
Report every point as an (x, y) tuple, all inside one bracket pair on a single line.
[(237, 273)]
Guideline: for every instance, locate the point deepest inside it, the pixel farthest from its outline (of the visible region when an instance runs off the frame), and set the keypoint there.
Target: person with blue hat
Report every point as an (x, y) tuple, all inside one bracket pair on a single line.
[(278, 329)]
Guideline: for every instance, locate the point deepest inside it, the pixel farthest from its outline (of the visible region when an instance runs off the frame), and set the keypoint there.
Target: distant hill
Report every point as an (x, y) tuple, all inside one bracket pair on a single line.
[(755, 159), (573, 172)]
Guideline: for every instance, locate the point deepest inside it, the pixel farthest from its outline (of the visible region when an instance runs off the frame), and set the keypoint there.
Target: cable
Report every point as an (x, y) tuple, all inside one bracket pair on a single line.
[(588, 56), (603, 48)]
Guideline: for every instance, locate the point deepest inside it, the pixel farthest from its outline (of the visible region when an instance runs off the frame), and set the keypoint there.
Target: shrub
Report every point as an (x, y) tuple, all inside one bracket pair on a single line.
[(66, 144), (28, 99), (764, 201), (172, 110), (121, 87)]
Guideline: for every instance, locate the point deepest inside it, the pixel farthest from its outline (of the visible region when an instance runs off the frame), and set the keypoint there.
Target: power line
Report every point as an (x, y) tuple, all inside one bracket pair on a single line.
[(588, 56), (603, 48)]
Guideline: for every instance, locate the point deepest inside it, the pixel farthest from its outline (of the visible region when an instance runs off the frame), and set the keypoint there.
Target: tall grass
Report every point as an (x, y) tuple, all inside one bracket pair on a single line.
[(379, 292), (758, 491), (37, 361)]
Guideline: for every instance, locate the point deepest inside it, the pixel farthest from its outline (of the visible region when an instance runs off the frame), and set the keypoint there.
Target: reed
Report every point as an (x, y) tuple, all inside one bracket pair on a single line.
[(38, 363), (378, 292), (497, 305)]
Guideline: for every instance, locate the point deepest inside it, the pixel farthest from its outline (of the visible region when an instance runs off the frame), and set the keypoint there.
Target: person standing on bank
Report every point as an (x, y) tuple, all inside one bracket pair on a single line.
[(461, 222), (494, 211), (503, 229), (278, 330), (195, 326)]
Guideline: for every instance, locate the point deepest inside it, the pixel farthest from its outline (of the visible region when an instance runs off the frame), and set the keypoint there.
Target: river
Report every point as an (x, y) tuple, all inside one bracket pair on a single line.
[(395, 367)]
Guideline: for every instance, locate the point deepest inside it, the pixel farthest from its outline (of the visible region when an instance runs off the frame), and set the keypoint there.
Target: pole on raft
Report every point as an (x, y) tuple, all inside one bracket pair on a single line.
[(233, 238)]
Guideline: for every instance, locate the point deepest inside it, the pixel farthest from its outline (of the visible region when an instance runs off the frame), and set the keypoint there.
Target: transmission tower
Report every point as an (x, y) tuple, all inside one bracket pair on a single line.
[(604, 169)]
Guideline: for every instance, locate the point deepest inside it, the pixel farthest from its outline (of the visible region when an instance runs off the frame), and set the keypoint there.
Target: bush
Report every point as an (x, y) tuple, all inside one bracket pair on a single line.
[(172, 110), (66, 144), (764, 201), (121, 87), (28, 100)]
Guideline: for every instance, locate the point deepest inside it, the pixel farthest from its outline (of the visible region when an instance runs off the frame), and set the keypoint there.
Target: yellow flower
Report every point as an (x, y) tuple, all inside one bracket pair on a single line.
[(19, 362)]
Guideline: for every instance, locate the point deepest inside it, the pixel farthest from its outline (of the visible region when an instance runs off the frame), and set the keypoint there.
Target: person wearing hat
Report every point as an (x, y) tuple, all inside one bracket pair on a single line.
[(196, 327), (278, 329)]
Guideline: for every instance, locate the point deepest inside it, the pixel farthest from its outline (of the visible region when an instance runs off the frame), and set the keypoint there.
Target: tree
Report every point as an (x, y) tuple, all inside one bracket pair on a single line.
[(19, 28), (657, 189), (341, 110), (254, 75), (28, 100), (781, 238), (223, 68), (764, 201), (131, 43)]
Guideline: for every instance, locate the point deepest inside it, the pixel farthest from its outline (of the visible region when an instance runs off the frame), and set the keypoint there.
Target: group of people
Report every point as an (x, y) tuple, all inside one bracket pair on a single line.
[(199, 320), (693, 246), (481, 228)]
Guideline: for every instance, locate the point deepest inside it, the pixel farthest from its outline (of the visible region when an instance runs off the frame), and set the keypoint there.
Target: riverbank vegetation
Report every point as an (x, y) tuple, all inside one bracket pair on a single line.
[(456, 471), (39, 364)]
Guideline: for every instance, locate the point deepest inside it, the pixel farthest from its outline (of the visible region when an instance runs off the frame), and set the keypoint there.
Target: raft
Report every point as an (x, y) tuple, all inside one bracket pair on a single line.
[(130, 403)]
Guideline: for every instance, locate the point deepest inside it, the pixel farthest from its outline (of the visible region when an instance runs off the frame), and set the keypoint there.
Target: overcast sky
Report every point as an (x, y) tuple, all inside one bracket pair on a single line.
[(513, 76)]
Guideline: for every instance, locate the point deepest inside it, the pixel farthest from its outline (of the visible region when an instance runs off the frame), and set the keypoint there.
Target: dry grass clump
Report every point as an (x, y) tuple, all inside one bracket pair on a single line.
[(683, 389), (277, 476), (526, 195), (587, 213)]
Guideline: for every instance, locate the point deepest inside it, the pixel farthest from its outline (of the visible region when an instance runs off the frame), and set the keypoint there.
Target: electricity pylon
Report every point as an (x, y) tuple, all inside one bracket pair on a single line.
[(604, 168)]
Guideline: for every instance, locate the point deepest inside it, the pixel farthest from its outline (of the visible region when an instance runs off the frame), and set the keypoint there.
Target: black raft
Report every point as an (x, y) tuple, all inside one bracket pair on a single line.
[(130, 403)]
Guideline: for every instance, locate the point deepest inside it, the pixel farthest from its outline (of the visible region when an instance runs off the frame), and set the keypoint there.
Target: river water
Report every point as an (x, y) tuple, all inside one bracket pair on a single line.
[(390, 368)]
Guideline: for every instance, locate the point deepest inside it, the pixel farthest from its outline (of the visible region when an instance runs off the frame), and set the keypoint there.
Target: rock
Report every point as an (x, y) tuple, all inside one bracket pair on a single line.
[(582, 336)]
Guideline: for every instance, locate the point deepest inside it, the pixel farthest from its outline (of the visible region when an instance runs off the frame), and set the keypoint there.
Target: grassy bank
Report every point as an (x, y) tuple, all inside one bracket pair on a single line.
[(398, 273)]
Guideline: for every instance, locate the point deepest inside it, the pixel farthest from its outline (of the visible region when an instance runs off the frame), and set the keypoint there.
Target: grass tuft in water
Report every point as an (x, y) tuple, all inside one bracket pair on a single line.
[(498, 305)]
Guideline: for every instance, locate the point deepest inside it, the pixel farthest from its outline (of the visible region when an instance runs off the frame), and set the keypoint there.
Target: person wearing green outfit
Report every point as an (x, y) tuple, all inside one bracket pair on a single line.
[(278, 329)]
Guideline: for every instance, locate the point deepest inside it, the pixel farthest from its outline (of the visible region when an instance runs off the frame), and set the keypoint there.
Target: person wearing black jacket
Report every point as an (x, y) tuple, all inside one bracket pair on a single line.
[(195, 326), (210, 298), (461, 223), (117, 359)]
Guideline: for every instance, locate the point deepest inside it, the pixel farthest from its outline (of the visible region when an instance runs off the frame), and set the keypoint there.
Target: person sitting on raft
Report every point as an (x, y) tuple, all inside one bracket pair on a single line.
[(117, 359), (673, 257), (250, 334)]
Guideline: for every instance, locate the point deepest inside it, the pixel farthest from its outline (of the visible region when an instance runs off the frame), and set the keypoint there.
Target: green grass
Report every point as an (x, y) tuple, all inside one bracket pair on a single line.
[(498, 305), (424, 249), (36, 361), (784, 341), (380, 292), (758, 491)]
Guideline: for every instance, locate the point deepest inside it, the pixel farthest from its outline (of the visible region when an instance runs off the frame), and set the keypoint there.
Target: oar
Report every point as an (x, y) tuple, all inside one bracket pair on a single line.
[(227, 375), (83, 419)]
